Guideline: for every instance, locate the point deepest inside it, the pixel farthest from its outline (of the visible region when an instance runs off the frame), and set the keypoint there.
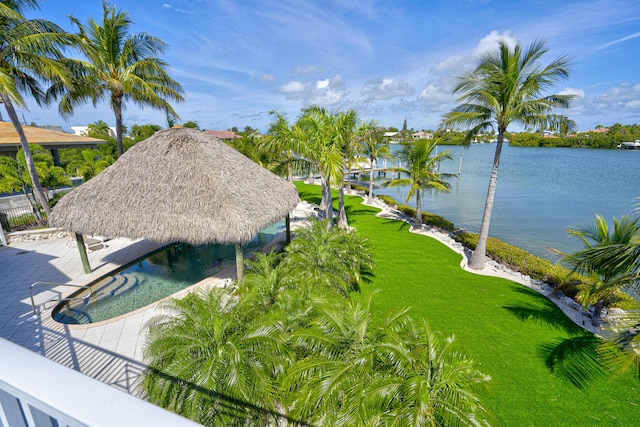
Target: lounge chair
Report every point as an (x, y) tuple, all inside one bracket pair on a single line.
[(92, 243)]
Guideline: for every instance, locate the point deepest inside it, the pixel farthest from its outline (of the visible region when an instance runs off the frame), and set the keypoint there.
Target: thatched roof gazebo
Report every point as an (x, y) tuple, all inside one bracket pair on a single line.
[(178, 185)]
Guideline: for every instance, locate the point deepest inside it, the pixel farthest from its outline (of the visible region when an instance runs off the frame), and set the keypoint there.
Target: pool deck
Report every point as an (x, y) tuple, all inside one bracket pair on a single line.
[(111, 351)]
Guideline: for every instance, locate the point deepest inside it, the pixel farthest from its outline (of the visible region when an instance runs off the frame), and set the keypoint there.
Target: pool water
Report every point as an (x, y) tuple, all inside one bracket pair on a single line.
[(155, 276)]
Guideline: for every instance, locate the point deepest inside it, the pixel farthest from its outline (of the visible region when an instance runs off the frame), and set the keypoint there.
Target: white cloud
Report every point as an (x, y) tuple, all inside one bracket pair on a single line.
[(328, 91), (620, 40), (622, 97), (455, 63), (171, 7), (386, 88), (578, 93), (436, 95), (491, 41)]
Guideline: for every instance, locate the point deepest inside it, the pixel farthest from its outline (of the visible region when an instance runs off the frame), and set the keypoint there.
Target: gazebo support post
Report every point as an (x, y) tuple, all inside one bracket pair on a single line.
[(288, 223), (239, 261), (83, 253)]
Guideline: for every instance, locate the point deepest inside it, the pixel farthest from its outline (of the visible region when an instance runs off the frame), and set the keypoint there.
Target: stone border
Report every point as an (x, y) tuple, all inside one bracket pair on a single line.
[(35, 235)]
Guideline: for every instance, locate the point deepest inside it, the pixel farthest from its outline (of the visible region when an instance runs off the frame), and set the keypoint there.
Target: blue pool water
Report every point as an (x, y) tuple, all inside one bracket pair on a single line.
[(155, 276)]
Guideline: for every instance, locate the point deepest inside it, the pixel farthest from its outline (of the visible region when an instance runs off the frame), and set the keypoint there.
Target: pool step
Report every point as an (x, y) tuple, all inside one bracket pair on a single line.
[(117, 284)]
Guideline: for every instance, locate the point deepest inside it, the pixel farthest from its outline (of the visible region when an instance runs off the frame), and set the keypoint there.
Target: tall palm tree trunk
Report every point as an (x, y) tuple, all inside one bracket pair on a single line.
[(370, 197), (117, 109), (479, 255), (31, 167), (596, 319), (343, 223), (418, 209), (329, 201), (323, 192)]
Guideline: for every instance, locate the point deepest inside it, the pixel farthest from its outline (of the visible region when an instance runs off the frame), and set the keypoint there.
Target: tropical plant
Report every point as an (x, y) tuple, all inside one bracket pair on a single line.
[(507, 87), (212, 362), (30, 54), (99, 128), (374, 146), (93, 164), (191, 124), (354, 371), (120, 66), (333, 258), (420, 170), (140, 132), (288, 145), (600, 261), (14, 175), (324, 150), (344, 128)]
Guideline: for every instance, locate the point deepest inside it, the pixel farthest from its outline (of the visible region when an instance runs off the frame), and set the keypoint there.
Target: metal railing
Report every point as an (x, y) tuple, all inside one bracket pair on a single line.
[(35, 392), (20, 218), (50, 284)]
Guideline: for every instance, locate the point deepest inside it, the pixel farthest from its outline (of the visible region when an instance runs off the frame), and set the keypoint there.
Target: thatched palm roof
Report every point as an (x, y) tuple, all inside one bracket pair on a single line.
[(178, 185)]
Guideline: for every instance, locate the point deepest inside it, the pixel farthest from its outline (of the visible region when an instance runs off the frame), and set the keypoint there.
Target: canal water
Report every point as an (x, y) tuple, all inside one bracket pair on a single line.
[(540, 192)]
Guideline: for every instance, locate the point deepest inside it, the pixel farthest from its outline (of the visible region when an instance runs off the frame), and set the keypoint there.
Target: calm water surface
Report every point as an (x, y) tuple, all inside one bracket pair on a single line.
[(540, 192)]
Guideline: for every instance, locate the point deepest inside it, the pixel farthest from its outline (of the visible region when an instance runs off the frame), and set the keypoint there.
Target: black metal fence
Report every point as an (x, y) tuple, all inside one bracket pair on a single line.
[(16, 219)]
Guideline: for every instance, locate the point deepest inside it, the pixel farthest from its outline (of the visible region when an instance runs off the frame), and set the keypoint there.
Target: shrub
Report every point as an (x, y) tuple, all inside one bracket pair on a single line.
[(358, 187), (388, 200), (428, 218)]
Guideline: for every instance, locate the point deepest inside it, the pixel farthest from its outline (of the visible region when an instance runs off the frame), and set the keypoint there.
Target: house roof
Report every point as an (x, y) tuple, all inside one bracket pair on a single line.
[(50, 139), (222, 134)]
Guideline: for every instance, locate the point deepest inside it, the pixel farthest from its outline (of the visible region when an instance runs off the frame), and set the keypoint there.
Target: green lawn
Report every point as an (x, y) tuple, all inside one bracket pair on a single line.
[(504, 326)]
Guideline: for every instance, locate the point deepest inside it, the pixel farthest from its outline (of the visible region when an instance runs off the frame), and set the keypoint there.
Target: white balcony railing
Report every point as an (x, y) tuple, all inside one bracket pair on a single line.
[(35, 391)]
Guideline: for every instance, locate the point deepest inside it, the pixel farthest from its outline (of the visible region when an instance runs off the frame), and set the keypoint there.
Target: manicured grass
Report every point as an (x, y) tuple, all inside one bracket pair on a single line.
[(504, 326)]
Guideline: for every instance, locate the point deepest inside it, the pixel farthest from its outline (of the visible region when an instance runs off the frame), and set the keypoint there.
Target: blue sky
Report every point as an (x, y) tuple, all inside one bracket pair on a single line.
[(389, 60)]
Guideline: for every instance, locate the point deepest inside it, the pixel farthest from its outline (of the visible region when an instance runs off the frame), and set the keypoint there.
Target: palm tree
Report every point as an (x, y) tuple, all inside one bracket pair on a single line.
[(289, 143), (212, 362), (608, 273), (354, 371), (506, 87), (344, 127), (421, 170), (99, 128), (29, 55), (324, 150), (374, 146), (120, 66), (329, 257)]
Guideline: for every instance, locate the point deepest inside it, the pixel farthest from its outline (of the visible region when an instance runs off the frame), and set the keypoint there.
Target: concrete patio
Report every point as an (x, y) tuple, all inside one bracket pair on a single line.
[(110, 352)]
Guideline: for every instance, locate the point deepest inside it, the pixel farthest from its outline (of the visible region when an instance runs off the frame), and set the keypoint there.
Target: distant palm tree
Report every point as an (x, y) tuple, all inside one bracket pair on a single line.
[(420, 170), (120, 66), (373, 146), (29, 55), (344, 127), (507, 87), (99, 128), (288, 143), (323, 150)]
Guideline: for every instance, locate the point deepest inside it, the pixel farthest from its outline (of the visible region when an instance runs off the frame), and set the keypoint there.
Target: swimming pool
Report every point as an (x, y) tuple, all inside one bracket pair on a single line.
[(155, 276)]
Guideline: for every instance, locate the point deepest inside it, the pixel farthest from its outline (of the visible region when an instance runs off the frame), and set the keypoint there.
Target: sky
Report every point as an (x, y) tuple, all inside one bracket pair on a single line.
[(389, 60)]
